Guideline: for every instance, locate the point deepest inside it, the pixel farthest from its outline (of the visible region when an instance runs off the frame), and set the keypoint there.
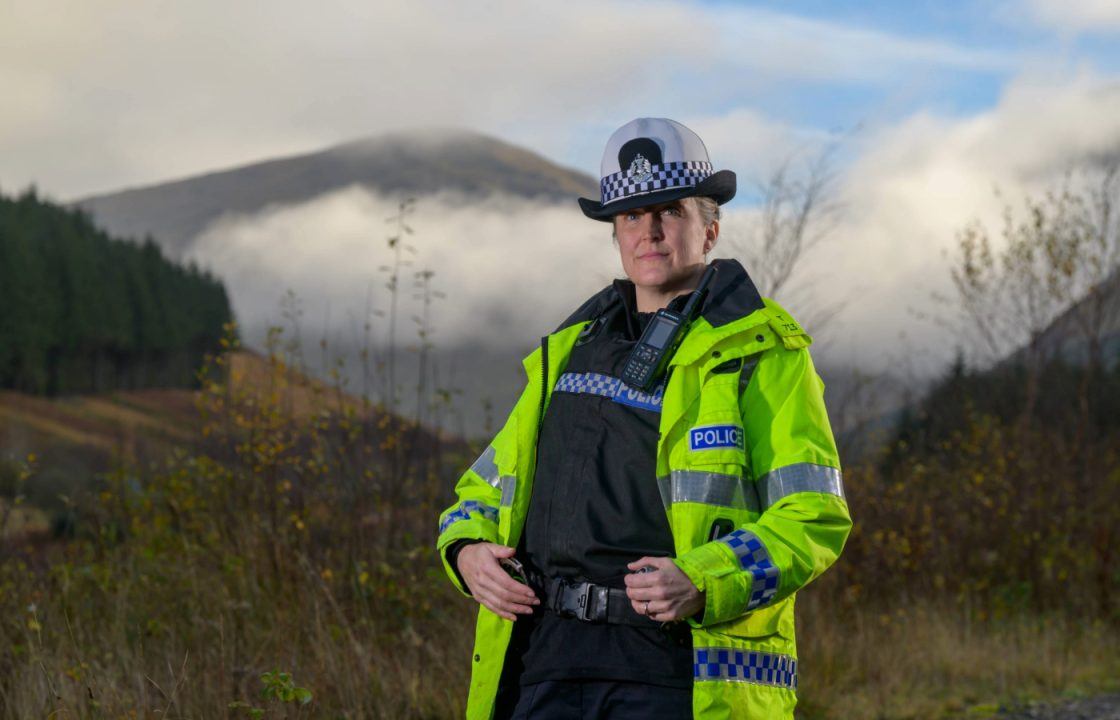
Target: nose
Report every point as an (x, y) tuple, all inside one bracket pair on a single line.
[(652, 226)]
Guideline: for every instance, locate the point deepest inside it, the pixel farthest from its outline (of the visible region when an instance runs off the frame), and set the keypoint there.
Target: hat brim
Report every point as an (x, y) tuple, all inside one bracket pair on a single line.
[(719, 186)]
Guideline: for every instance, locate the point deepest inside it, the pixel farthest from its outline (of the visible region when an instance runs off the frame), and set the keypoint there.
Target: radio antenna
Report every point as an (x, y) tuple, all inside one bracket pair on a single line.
[(699, 292)]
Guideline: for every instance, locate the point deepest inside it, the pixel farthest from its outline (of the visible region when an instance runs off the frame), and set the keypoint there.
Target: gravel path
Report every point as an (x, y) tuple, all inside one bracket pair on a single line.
[(1103, 707)]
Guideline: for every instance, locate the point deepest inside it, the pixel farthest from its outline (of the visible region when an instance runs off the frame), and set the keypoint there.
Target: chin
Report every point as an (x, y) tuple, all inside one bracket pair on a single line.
[(649, 279)]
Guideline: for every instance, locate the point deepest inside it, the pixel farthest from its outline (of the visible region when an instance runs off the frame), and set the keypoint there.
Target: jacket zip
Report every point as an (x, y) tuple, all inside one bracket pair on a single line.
[(544, 384), (544, 398)]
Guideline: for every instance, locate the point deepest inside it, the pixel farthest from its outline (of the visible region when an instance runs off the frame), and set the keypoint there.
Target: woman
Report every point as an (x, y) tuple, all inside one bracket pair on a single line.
[(661, 535)]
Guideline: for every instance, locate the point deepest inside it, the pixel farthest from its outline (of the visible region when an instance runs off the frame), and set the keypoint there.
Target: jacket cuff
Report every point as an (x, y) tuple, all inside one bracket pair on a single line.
[(714, 569), (452, 554), (474, 530)]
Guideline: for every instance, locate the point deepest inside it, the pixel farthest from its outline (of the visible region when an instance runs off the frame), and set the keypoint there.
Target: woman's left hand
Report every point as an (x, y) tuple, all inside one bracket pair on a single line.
[(665, 594)]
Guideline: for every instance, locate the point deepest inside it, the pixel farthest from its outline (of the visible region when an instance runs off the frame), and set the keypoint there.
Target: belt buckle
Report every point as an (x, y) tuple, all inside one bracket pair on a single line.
[(584, 612), (575, 600)]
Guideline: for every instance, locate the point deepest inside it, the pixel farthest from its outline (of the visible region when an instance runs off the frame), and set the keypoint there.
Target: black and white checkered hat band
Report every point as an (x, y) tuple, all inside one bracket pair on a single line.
[(658, 177)]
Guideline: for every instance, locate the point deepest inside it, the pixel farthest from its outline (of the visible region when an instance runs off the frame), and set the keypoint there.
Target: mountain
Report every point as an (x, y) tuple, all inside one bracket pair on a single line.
[(417, 162), (1094, 318)]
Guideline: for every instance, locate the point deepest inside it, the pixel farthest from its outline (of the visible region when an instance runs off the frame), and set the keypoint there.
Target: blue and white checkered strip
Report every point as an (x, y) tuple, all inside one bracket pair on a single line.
[(593, 383), (667, 175), (755, 559), (760, 668), (610, 387), (463, 512)]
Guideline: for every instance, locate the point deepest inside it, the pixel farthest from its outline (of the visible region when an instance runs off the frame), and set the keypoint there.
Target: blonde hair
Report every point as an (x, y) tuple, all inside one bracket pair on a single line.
[(708, 209)]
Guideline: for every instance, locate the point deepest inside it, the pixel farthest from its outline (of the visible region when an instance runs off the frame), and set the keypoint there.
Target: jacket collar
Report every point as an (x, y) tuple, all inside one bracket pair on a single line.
[(733, 295)]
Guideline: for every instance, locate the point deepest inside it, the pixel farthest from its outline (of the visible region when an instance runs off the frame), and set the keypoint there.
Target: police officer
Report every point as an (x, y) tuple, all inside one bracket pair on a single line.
[(636, 554)]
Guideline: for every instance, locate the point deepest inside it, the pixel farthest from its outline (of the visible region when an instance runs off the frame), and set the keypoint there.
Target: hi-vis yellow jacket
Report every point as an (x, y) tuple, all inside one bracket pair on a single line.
[(774, 485)]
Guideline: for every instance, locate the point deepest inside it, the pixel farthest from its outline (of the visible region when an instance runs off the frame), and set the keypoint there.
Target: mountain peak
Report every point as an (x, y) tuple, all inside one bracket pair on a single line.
[(413, 162), (431, 137)]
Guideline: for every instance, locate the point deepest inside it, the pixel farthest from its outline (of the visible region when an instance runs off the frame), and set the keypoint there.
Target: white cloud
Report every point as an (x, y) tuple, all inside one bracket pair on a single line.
[(1077, 16), (752, 144), (909, 190), (119, 93), (511, 269), (115, 93), (917, 184)]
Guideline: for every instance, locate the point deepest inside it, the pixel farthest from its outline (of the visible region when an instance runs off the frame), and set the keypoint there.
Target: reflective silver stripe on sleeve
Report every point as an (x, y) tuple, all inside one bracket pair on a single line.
[(749, 666), (509, 489), (708, 488), (485, 466), (801, 477)]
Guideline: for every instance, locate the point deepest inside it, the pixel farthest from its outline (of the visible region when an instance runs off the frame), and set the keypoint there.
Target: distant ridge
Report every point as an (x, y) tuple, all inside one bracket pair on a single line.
[(415, 162), (1066, 337)]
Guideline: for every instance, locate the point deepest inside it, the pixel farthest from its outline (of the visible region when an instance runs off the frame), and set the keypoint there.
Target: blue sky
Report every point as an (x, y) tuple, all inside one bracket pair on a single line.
[(972, 51), (964, 24)]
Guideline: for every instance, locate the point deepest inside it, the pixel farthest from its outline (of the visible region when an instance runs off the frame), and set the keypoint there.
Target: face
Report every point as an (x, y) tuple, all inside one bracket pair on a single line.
[(663, 246)]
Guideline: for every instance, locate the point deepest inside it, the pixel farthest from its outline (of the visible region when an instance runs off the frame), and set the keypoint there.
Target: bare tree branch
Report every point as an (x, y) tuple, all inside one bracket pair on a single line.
[(798, 211), (1053, 278)]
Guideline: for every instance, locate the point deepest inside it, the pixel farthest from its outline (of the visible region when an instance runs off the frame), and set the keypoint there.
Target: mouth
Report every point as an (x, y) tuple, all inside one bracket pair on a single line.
[(652, 256)]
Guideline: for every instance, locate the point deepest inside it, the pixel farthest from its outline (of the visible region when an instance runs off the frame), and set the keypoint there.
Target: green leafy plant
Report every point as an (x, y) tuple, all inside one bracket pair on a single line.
[(280, 686)]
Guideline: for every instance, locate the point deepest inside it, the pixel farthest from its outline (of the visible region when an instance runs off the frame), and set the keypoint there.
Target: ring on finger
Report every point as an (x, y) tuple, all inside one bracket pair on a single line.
[(646, 610)]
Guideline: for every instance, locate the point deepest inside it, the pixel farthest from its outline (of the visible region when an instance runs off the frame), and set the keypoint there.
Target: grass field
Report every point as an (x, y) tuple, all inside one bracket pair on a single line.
[(282, 565), (144, 635)]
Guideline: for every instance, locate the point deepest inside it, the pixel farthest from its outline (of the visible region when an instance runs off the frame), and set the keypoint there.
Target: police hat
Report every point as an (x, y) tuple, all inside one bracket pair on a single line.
[(649, 161)]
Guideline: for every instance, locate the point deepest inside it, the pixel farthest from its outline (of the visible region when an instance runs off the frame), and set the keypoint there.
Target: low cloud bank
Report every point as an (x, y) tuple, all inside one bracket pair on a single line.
[(915, 185), (510, 269)]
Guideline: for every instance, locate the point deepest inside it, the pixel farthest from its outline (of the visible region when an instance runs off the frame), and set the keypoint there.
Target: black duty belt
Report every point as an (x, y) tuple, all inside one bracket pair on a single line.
[(592, 603)]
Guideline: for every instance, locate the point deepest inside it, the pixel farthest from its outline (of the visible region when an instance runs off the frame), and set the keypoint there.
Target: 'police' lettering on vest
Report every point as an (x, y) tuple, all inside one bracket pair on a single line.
[(714, 437)]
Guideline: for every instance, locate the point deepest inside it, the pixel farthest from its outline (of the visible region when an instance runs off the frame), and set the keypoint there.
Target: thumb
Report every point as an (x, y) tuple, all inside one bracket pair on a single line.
[(501, 551), (639, 564)]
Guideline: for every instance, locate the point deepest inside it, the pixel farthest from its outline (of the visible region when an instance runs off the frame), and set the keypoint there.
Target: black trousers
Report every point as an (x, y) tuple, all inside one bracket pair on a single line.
[(592, 699)]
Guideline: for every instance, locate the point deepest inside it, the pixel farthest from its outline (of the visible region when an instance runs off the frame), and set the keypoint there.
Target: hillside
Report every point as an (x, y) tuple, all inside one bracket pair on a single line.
[(1093, 319), (116, 421), (73, 439), (404, 163)]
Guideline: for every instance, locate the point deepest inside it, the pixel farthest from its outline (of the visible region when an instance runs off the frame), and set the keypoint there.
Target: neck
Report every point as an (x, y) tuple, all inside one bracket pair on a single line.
[(653, 298)]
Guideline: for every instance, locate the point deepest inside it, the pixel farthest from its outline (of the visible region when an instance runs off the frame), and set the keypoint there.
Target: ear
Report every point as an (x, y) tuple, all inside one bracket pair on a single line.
[(711, 235)]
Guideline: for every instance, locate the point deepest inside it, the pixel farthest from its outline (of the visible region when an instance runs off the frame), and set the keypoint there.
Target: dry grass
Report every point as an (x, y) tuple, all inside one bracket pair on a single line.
[(19, 520), (301, 396), (935, 659), (110, 422), (188, 645), (35, 421), (298, 537), (189, 641), (116, 412)]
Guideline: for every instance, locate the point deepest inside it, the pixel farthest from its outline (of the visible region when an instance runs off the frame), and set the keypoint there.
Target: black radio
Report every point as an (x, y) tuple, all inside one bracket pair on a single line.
[(650, 357)]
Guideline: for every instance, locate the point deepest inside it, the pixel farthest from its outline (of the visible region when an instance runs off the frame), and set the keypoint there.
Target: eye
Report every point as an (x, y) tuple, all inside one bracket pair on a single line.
[(674, 211)]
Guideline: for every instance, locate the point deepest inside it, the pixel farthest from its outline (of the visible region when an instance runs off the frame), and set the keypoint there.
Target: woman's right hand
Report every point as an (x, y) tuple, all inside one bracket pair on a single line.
[(478, 563)]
